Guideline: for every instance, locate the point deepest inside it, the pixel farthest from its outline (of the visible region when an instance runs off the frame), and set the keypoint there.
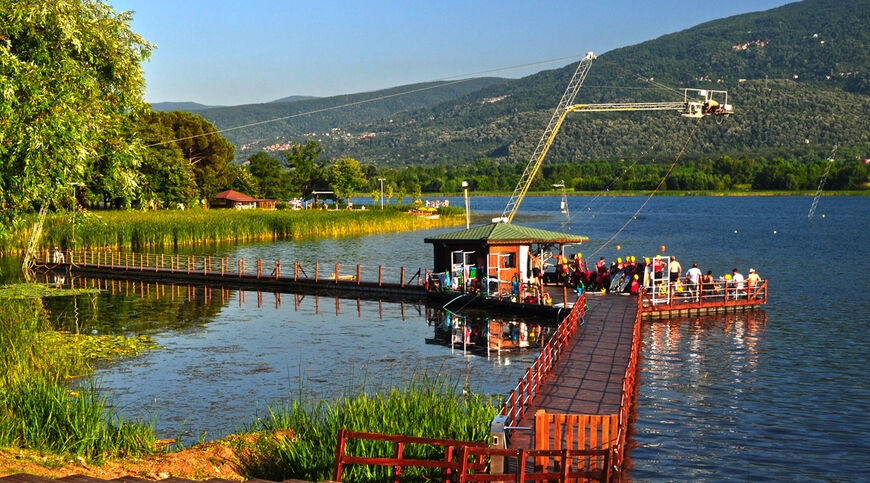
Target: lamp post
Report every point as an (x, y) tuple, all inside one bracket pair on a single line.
[(467, 212), (382, 191)]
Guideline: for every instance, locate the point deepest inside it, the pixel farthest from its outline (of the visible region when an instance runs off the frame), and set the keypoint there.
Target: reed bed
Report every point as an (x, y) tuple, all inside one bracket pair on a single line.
[(38, 411), (170, 228), (425, 406)]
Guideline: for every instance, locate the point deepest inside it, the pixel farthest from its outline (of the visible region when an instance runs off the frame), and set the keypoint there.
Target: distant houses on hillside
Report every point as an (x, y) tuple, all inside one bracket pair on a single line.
[(241, 201)]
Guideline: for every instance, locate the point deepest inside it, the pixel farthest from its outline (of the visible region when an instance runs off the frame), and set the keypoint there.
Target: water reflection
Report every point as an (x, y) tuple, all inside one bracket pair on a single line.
[(696, 374), (485, 335), (229, 352)]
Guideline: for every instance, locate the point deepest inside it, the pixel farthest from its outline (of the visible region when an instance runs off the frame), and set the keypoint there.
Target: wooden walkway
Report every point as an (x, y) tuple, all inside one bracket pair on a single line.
[(588, 377)]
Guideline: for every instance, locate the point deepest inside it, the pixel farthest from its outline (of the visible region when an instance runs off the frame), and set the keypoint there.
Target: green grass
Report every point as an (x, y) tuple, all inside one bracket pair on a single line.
[(37, 409), (171, 228), (431, 407)]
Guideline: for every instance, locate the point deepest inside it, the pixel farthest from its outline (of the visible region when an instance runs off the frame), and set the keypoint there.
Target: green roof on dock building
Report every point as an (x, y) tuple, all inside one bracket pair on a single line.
[(506, 233)]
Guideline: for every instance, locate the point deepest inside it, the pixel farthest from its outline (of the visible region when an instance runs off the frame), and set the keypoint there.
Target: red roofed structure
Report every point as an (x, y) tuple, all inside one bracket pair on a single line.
[(241, 201)]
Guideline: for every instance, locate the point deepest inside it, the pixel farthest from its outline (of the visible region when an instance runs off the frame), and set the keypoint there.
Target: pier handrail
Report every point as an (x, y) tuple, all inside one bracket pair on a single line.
[(725, 293), (528, 386), (131, 261)]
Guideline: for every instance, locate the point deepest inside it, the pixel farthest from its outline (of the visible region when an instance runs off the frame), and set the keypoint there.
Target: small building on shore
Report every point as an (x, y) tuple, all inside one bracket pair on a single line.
[(241, 201), (500, 253)]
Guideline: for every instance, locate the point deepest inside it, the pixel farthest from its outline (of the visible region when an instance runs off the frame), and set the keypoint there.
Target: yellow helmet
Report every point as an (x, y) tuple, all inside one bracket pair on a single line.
[(646, 259), (635, 276), (619, 260), (727, 276), (579, 255)]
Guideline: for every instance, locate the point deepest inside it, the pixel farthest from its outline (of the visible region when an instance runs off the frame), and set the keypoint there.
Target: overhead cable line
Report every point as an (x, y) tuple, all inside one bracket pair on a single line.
[(634, 216)]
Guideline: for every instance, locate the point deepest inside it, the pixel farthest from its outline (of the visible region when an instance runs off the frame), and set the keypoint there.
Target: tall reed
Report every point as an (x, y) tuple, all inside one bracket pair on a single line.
[(138, 229), (433, 407), (38, 411)]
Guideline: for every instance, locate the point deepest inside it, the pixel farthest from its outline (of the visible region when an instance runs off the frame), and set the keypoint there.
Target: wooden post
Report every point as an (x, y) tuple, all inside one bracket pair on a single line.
[(380, 274), (357, 274), (296, 271), (240, 268), (336, 272), (402, 279), (205, 267), (316, 271), (565, 296), (126, 262), (259, 267)]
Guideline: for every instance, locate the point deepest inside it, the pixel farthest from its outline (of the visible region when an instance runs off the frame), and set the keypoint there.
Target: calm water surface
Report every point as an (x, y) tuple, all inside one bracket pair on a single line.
[(772, 395)]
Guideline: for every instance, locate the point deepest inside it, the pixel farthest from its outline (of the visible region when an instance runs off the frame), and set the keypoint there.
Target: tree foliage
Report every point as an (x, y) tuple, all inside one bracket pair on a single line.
[(70, 76), (345, 176)]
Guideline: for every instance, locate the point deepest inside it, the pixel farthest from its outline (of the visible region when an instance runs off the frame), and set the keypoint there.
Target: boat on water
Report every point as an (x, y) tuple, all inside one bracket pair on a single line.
[(425, 212)]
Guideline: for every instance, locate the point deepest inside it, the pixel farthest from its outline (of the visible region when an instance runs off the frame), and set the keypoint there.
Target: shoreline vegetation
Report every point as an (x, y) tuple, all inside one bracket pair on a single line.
[(174, 228), (51, 429)]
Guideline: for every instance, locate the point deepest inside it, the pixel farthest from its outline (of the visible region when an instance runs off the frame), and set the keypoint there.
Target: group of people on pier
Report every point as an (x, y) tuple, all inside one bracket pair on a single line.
[(659, 274)]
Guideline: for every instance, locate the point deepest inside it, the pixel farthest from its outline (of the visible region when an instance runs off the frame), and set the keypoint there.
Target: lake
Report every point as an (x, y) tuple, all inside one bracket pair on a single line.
[(771, 395)]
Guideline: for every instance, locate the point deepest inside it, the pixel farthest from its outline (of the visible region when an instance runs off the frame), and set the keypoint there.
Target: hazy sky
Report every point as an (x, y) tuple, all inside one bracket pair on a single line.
[(227, 52)]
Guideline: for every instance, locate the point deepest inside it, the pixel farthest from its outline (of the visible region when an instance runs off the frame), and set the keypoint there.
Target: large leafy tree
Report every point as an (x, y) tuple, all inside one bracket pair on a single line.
[(346, 176), (307, 170), (70, 76), (203, 147), (272, 177), (168, 178)]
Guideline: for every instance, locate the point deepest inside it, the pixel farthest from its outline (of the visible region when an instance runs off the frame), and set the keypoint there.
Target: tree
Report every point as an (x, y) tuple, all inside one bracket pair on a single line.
[(241, 180), (70, 75), (273, 180), (307, 172), (167, 178), (345, 177), (205, 149)]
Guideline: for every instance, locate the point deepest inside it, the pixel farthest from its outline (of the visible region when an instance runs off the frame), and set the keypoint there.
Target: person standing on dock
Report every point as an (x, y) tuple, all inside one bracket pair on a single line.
[(675, 268), (737, 280), (752, 280), (693, 276)]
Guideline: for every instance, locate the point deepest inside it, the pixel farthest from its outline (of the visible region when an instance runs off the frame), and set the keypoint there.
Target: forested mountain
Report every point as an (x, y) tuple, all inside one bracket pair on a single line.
[(328, 117), (797, 75)]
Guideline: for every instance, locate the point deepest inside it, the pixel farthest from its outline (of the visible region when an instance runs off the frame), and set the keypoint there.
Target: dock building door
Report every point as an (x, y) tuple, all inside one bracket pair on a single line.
[(461, 268)]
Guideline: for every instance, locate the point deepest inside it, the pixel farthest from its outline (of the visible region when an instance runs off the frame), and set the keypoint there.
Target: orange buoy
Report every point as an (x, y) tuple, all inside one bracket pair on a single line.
[(663, 248), (618, 247)]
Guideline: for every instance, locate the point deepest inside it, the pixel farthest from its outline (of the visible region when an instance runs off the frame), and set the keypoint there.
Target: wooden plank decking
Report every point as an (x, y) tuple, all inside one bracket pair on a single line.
[(587, 379)]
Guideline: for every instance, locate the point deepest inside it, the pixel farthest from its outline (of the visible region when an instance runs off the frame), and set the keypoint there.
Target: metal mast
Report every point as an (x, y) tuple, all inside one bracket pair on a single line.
[(547, 139)]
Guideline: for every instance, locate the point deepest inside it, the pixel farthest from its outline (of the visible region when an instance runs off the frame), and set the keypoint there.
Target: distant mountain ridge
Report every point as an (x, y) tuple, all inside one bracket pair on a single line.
[(797, 75), (170, 106)]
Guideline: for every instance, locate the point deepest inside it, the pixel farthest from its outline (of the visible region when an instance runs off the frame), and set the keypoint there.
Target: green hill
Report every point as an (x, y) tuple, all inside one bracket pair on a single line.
[(797, 76)]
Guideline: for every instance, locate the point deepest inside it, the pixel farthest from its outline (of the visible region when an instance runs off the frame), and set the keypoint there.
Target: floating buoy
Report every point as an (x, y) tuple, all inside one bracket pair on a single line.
[(735, 231), (618, 247), (823, 215), (774, 232), (663, 248)]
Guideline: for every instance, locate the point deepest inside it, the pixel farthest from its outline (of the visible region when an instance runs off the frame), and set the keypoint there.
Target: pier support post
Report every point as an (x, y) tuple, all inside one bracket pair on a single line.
[(402, 278), (380, 274), (357, 274), (336, 272), (316, 271)]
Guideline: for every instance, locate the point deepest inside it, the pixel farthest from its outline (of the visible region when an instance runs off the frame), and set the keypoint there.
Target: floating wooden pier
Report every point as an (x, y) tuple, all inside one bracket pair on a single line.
[(570, 410)]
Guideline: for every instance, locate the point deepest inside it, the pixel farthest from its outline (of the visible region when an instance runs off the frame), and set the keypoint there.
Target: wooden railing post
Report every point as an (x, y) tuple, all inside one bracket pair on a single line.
[(380, 275), (357, 274), (336, 272), (402, 278), (316, 271)]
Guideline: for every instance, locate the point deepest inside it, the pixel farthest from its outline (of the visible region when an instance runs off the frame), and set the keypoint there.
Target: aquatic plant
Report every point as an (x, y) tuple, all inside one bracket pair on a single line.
[(425, 406), (37, 410)]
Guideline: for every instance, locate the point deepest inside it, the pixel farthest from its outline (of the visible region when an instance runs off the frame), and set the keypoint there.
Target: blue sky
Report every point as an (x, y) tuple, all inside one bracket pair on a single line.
[(228, 52)]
